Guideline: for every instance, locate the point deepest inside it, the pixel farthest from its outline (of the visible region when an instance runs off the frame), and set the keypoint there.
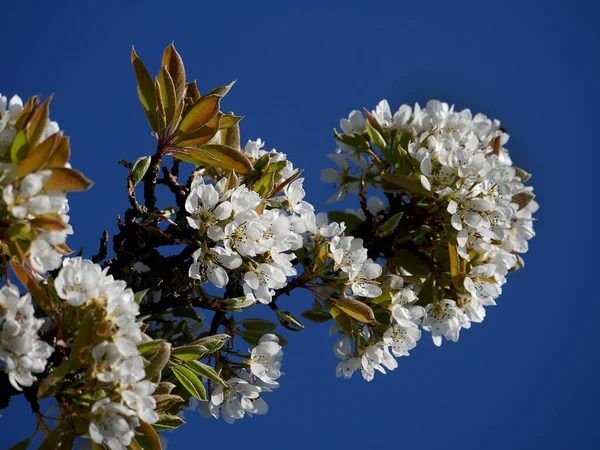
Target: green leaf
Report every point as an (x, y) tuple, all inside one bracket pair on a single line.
[(384, 298), (289, 321), (150, 347), (237, 304), (189, 352), (316, 316), (351, 220), (168, 422), (139, 169), (356, 141), (205, 371), (322, 258), (427, 293), (252, 337), (258, 325), (377, 138), (355, 309), (60, 438), (53, 382), (82, 346), (389, 226), (19, 147), (68, 180), (22, 445), (145, 84), (402, 183), (201, 113), (190, 382), (411, 262), (212, 343), (454, 261)]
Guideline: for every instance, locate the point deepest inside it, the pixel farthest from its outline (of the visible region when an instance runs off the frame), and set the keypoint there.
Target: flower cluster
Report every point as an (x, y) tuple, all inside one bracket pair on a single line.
[(116, 359), (450, 168), (242, 393), (33, 202), (21, 349), (256, 235)]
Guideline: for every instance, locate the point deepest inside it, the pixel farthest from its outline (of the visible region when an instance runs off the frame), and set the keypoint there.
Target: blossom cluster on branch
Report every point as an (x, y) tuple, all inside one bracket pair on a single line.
[(127, 341)]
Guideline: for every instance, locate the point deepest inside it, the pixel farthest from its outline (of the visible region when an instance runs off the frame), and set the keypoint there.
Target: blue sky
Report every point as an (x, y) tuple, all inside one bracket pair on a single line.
[(525, 378)]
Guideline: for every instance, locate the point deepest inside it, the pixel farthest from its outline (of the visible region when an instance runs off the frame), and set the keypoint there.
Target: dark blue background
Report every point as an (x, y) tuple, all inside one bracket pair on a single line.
[(528, 376)]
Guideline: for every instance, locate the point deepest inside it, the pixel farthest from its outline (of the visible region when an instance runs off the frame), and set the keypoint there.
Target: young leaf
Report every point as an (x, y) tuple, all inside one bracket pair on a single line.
[(200, 136), (38, 123), (37, 157), (145, 84), (64, 179), (168, 422), (167, 94), (223, 90), (231, 137), (377, 138), (32, 285), (343, 320), (355, 309), (190, 382), (146, 437), (523, 199), (174, 64), (164, 388), (164, 402), (222, 156), (229, 120), (201, 113), (60, 156)]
